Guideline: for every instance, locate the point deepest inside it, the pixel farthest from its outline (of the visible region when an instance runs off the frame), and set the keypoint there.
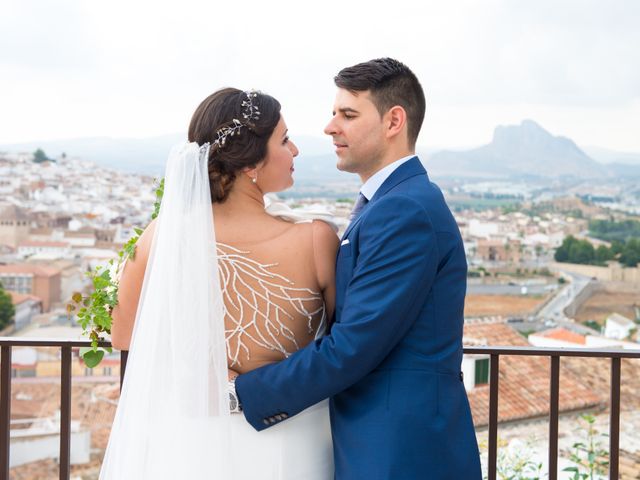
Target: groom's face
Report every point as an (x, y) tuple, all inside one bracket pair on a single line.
[(358, 133)]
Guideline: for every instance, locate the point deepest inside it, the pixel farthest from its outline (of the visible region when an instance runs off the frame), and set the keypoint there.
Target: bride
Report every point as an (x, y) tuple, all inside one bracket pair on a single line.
[(218, 283)]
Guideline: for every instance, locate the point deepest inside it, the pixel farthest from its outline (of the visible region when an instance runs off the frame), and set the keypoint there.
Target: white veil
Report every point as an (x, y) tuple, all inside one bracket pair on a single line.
[(173, 414)]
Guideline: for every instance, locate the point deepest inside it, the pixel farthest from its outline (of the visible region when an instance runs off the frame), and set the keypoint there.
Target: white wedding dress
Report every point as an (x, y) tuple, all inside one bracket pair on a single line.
[(173, 420)]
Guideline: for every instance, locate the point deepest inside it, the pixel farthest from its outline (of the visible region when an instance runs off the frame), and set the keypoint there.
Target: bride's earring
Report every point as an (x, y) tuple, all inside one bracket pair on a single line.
[(255, 179)]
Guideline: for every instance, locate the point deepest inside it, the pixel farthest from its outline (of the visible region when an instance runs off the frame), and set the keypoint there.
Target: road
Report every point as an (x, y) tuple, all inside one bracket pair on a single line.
[(554, 309)]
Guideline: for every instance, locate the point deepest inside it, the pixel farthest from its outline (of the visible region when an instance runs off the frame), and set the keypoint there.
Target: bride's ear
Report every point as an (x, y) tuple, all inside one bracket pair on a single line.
[(252, 173)]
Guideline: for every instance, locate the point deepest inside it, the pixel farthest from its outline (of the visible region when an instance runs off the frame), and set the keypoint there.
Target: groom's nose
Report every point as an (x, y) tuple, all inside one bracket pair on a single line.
[(331, 128)]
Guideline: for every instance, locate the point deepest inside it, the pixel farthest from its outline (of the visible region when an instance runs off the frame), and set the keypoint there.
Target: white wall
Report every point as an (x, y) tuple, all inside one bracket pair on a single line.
[(469, 370), (30, 446), (617, 331)]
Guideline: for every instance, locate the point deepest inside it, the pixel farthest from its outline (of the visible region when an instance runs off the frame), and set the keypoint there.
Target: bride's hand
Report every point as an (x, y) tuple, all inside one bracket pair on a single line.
[(232, 374)]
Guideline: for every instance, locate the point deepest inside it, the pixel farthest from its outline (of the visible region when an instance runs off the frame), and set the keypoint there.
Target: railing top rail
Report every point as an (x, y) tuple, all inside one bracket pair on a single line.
[(47, 342), (480, 350), (553, 352)]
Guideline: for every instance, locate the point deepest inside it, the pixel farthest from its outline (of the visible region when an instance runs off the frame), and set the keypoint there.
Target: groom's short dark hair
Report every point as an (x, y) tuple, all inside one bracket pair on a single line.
[(391, 83)]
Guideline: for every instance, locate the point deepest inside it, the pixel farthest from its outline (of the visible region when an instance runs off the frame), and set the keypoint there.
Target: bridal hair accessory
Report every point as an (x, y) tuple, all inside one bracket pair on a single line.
[(250, 114)]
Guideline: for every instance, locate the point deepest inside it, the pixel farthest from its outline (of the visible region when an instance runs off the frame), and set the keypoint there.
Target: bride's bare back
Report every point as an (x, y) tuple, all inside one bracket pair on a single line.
[(276, 277), (275, 301)]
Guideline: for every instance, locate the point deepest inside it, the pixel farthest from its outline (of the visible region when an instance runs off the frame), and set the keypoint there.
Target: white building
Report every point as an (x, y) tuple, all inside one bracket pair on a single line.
[(27, 307), (478, 228), (618, 326), (51, 248), (41, 440)]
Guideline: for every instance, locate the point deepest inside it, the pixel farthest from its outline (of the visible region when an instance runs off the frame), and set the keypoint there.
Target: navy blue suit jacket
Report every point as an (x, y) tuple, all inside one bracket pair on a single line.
[(391, 362)]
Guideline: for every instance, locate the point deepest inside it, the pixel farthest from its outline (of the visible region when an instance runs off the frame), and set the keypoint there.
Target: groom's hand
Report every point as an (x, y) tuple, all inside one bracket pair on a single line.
[(232, 374)]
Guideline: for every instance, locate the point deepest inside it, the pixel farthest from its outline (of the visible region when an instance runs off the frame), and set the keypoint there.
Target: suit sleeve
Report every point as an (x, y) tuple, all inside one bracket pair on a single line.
[(395, 269)]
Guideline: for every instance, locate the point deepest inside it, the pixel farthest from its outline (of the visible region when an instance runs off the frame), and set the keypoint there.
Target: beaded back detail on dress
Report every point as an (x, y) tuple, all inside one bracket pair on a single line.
[(263, 309)]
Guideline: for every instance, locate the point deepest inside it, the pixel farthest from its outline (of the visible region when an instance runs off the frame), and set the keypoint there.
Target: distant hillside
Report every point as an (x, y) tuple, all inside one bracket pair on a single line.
[(604, 155), (516, 150), (525, 149), (148, 155), (142, 155)]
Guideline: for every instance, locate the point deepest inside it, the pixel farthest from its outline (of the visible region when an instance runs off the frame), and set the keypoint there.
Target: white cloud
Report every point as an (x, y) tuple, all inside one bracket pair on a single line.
[(123, 68)]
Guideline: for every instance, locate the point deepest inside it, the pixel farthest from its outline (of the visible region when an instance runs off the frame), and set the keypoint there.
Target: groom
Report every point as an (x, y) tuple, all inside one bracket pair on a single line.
[(391, 363)]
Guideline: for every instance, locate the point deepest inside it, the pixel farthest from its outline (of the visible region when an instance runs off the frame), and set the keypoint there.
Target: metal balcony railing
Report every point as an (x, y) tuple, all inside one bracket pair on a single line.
[(6, 344), (554, 355)]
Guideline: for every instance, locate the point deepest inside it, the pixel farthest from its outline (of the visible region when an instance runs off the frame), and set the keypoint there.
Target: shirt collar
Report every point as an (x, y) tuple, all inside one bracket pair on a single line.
[(371, 186)]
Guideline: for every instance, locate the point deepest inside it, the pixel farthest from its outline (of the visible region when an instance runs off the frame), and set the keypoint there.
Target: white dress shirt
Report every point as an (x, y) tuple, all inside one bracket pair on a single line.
[(371, 186)]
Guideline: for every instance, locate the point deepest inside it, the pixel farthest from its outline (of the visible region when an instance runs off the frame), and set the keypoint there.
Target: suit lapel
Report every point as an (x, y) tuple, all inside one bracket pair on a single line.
[(409, 169)]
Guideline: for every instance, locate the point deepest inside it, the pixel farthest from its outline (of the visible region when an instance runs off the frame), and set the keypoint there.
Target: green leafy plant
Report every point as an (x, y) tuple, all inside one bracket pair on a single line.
[(515, 460), (589, 458), (515, 463), (94, 309)]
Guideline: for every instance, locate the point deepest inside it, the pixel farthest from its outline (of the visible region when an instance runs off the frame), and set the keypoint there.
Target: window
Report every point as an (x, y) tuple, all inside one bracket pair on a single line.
[(482, 371), (106, 371), (88, 372)]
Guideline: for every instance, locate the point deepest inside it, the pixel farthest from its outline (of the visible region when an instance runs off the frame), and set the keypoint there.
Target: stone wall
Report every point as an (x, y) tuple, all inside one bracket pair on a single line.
[(612, 273)]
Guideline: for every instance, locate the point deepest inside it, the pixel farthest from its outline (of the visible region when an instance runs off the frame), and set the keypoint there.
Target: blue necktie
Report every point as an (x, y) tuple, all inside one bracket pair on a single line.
[(360, 203)]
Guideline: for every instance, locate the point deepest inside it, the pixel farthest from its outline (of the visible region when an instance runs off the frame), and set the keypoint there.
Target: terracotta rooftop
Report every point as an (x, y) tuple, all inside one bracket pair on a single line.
[(524, 381), (41, 231), (38, 243), (564, 335), (26, 268), (80, 234), (93, 403), (49, 470), (595, 374), (18, 298)]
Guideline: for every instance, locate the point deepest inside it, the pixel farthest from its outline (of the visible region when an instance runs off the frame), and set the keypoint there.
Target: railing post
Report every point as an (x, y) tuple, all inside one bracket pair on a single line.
[(5, 409), (614, 420), (65, 414), (124, 354), (493, 416), (554, 412)]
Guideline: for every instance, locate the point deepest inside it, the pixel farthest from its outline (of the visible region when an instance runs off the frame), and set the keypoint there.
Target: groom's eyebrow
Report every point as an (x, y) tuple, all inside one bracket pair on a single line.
[(346, 110)]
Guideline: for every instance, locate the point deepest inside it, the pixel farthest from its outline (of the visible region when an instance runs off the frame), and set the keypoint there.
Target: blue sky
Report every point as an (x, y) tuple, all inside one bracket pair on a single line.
[(139, 68)]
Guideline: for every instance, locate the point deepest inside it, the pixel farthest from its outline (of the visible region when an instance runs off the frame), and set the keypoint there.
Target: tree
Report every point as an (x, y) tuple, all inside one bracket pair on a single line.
[(39, 156), (539, 249), (573, 250), (581, 252), (616, 247), (562, 252), (603, 254), (7, 310), (630, 255), (611, 230)]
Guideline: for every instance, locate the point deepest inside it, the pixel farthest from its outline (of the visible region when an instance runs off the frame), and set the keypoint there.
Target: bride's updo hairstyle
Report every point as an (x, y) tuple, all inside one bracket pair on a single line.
[(238, 125)]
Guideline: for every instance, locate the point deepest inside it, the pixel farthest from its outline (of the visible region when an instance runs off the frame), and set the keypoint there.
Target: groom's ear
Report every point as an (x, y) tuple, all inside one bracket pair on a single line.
[(395, 121)]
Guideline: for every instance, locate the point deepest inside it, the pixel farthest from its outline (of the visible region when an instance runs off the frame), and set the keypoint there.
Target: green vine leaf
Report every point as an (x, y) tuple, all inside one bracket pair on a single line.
[(93, 310), (91, 358)]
